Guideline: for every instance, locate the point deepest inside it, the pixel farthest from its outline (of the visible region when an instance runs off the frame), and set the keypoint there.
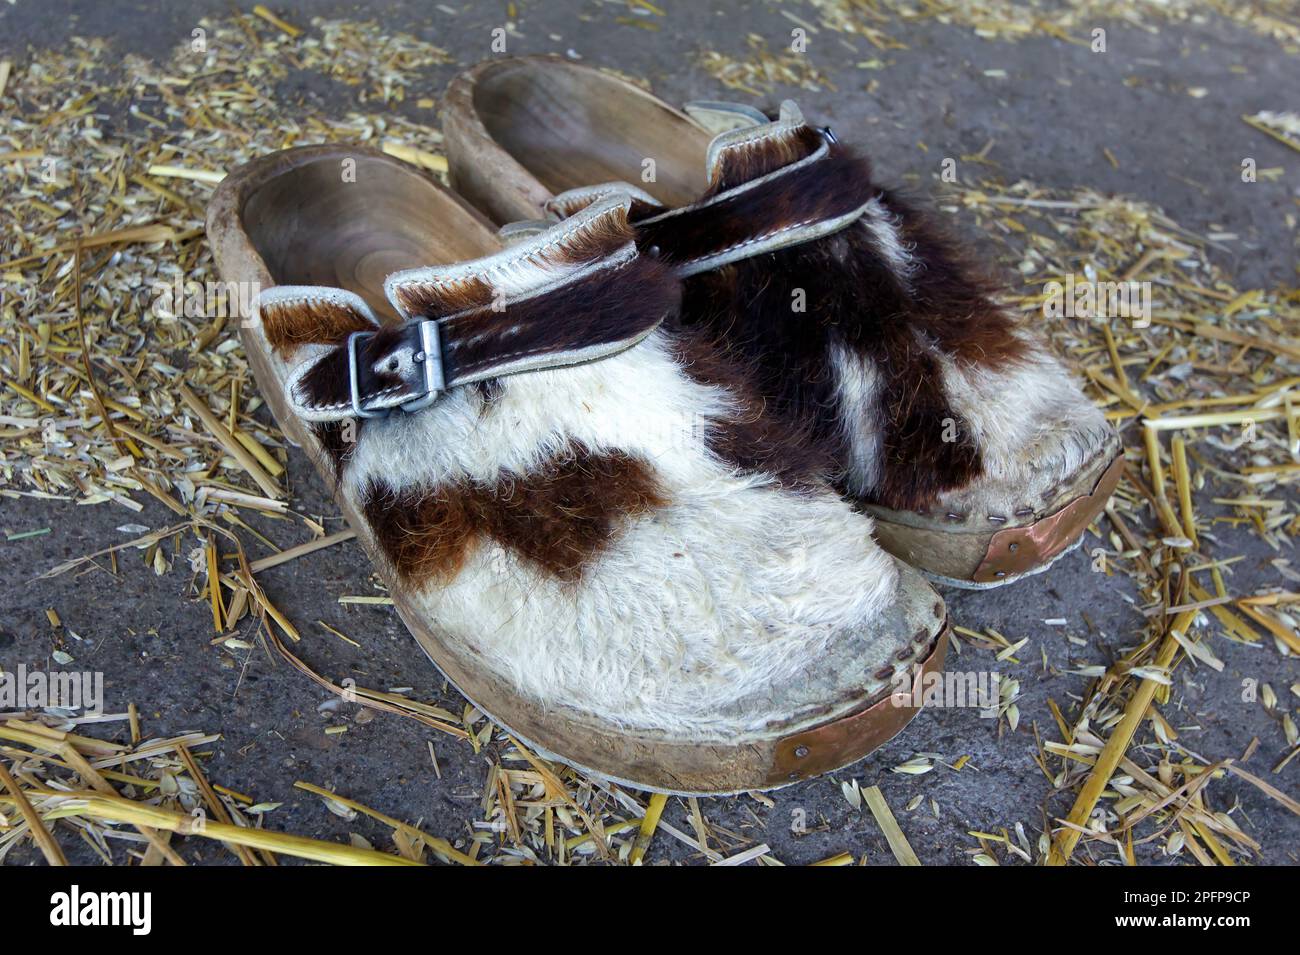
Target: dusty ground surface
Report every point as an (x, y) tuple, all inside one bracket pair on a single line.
[(1050, 117)]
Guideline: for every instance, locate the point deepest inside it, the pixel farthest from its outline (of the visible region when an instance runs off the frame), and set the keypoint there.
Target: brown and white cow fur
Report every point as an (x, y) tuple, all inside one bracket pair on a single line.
[(929, 394), (634, 536)]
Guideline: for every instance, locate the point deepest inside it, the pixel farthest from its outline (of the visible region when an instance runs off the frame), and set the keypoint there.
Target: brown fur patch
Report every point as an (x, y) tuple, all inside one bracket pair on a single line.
[(744, 162), (853, 299), (426, 300), (952, 295), (290, 325), (490, 390), (594, 240), (917, 461), (757, 439), (834, 186), (338, 442), (557, 518)]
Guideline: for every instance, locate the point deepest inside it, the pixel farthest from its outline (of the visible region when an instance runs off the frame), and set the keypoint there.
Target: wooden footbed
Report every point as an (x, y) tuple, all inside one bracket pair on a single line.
[(544, 113), (535, 126), (352, 220)]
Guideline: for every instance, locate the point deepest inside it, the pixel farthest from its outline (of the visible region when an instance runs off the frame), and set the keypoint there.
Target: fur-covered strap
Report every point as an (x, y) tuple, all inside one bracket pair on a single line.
[(575, 293), (805, 200), (571, 201), (772, 184)]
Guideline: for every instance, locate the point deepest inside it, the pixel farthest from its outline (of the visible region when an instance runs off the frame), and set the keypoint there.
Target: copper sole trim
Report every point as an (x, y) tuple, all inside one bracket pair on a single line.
[(840, 742), (1018, 550)]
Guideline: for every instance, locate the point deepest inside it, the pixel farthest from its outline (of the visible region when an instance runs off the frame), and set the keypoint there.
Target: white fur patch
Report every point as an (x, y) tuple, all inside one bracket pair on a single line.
[(888, 241), (726, 592), (1033, 425), (707, 615), (858, 385), (734, 586)]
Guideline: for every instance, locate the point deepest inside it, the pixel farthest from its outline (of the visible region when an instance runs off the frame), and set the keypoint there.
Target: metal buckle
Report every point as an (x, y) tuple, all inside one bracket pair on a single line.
[(353, 386), (430, 355)]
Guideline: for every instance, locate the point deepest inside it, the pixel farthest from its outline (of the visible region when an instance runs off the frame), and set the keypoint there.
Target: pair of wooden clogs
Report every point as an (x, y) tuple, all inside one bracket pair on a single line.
[(656, 472)]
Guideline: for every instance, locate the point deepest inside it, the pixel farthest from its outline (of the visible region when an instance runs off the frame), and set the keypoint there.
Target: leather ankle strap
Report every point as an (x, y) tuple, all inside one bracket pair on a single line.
[(799, 201), (813, 197), (576, 293)]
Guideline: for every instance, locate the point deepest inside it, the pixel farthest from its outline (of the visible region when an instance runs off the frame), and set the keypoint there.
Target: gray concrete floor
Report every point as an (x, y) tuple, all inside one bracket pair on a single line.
[(1050, 117)]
